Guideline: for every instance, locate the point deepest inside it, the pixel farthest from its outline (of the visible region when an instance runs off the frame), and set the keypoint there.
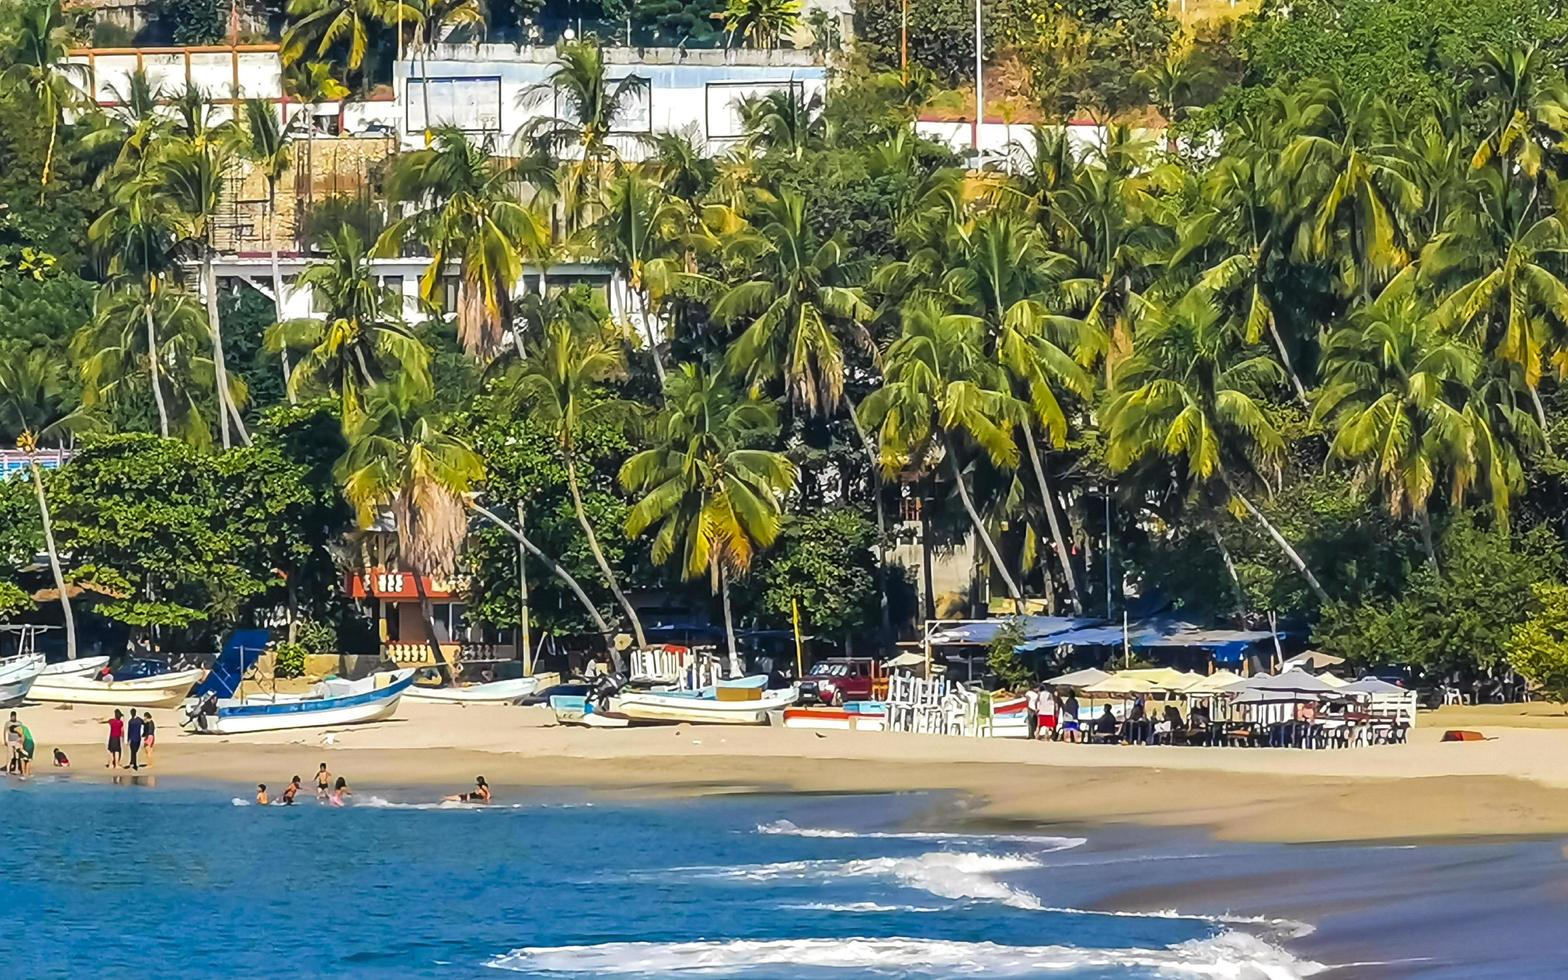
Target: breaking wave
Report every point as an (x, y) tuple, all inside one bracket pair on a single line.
[(788, 829)]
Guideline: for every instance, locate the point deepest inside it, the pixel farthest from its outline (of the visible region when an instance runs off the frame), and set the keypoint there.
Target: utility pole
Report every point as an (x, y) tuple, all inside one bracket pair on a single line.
[(522, 604), (979, 82)]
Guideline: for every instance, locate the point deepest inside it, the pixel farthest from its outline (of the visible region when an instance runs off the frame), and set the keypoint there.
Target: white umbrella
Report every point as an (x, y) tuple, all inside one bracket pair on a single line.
[(1116, 684), (1312, 660), (1078, 678), (1289, 682), (1372, 685)]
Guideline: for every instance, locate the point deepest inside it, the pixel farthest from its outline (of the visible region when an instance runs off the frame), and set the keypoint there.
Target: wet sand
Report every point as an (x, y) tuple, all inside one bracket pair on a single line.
[(1514, 784)]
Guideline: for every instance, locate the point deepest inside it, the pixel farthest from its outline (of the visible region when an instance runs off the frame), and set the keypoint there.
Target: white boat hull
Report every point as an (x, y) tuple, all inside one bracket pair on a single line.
[(358, 707), (496, 692), (162, 691), (84, 667), (651, 706), (17, 678)]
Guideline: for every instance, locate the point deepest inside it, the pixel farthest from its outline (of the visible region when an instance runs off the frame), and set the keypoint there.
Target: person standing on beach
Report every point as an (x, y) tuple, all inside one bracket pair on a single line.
[(15, 743), (1032, 709), (116, 733), (323, 782), (149, 735), (134, 733), (1047, 714)]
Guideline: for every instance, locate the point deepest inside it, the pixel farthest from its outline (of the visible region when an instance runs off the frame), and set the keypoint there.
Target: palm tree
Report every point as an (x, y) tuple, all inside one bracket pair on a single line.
[(190, 170), (1525, 108), (559, 384), (266, 142), (715, 498), (359, 340), (1499, 265), (137, 233), (320, 25), (1399, 391), (1191, 394), (940, 384), (134, 124), (33, 401), (433, 19), (466, 207), (641, 231), (1001, 271), (37, 63), (588, 110), (761, 23), (312, 83), (400, 459), (783, 122)]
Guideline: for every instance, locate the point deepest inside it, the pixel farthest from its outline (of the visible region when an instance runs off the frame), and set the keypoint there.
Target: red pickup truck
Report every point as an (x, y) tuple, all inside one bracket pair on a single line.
[(839, 679)]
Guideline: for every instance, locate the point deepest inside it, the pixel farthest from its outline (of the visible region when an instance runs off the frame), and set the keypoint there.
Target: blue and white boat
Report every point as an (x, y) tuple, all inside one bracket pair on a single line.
[(331, 703), (17, 676), (739, 702)]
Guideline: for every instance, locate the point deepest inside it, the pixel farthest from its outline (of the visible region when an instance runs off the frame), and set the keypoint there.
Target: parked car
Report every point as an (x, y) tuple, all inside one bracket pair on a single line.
[(838, 679)]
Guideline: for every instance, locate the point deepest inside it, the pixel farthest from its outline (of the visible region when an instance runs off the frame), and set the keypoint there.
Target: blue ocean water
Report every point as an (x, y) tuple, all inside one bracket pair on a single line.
[(186, 879)]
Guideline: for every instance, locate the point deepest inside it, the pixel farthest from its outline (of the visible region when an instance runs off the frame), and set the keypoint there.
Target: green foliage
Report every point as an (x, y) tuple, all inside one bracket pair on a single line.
[(941, 33), (1087, 58), (1459, 620), (288, 660), (194, 21), (826, 560), (1002, 658), (14, 599), (318, 637), (1538, 648)]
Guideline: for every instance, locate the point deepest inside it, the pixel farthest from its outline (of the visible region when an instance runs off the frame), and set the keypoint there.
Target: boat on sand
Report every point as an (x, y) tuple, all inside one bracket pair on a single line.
[(331, 703), (495, 692), (83, 667), (742, 702), (574, 710), (17, 676), (158, 691)]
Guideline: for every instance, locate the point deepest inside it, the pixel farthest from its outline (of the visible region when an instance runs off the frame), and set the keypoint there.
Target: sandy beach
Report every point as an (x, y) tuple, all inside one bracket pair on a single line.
[(1515, 783)]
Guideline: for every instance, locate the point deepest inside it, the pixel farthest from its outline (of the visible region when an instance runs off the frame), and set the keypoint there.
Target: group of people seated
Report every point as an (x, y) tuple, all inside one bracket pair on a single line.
[(1165, 728)]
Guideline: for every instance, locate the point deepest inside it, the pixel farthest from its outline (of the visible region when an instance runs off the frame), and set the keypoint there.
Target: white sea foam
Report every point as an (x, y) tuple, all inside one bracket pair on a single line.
[(859, 907), (787, 829), (236, 801), (381, 803), (1231, 955)]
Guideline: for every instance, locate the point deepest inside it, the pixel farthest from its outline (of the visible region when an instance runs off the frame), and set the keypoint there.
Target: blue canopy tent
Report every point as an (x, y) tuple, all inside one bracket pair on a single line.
[(1226, 646), (981, 632)]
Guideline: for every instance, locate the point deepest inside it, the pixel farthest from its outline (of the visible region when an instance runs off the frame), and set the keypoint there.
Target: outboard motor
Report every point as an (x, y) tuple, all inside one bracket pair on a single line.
[(606, 686)]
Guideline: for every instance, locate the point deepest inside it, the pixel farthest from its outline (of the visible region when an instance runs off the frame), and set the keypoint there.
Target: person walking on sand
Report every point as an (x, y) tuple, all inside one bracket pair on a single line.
[(133, 733), (339, 790), (116, 733), (13, 745), (323, 782), (1032, 709), (149, 735), (261, 794), (290, 791), (1047, 724)]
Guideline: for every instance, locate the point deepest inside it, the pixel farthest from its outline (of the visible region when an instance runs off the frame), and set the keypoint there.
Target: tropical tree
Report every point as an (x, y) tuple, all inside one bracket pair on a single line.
[(311, 83), (37, 63), (761, 23), (784, 122), (560, 384), (360, 338), (402, 460), (1401, 394), (714, 497), (133, 124), (1499, 264), (432, 19), (35, 401), (941, 385), (189, 169), (642, 231), (320, 26), (1524, 108), (265, 141), (1192, 393), (588, 108), (465, 206)]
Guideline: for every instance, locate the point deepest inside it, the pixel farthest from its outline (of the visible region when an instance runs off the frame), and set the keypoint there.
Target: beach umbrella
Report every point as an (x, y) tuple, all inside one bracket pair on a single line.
[(1163, 678), (1078, 678), (1118, 684), (1333, 681), (1312, 660), (1372, 685), (1290, 682), (1213, 683)]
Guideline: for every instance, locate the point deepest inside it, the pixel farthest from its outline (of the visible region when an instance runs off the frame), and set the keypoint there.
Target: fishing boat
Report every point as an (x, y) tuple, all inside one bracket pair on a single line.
[(495, 692), (852, 716), (17, 677), (575, 710), (85, 667), (157, 691), (330, 703), (742, 702)]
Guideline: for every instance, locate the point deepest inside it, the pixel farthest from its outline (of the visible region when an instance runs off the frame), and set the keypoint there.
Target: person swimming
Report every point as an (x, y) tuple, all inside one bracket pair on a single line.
[(339, 790), (261, 794), (290, 791), (479, 794)]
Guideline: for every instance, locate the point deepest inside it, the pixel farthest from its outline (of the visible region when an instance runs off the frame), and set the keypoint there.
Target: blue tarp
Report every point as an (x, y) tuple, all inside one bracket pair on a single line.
[(239, 654), (984, 631), (1226, 644)]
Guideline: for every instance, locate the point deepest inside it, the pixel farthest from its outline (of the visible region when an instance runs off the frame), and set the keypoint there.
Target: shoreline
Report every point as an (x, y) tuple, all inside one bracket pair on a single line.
[(1514, 785)]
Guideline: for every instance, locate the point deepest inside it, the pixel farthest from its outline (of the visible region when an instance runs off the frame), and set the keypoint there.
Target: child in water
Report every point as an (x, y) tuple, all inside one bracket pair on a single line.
[(339, 790), (290, 791), (261, 794)]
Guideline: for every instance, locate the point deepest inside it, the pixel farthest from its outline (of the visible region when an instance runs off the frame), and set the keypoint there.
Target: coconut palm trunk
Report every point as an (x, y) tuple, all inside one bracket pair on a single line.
[(1279, 539), (647, 326), (556, 570), (428, 616), (228, 412), (598, 553), (979, 525), (729, 619), (1048, 501), (1230, 568), (523, 613), (277, 285), (152, 359), (881, 511), (54, 554)]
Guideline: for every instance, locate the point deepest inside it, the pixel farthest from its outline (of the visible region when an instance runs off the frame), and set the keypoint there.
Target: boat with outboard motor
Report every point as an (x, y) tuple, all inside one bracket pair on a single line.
[(17, 677), (494, 692), (330, 703), (739, 702), (157, 691)]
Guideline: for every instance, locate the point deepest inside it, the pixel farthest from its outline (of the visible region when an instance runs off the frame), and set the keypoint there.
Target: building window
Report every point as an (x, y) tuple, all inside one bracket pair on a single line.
[(391, 614), (449, 294)]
